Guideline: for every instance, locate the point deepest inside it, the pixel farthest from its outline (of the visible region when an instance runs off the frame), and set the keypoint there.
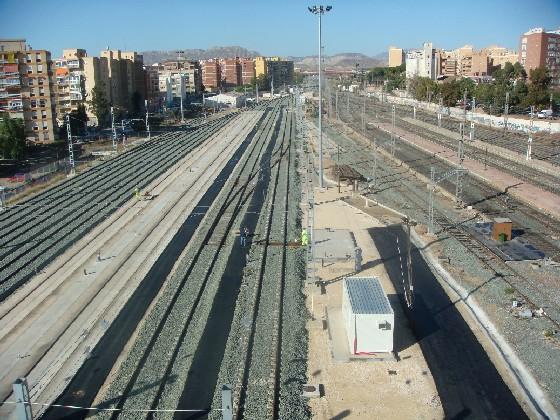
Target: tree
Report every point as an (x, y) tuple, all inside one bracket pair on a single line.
[(519, 72), (420, 87), (78, 122), (99, 105), (450, 92), (538, 92), (262, 81), (12, 138)]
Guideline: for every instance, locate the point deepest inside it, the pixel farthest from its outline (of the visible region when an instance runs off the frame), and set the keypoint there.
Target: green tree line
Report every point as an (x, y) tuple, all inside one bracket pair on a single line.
[(524, 90)]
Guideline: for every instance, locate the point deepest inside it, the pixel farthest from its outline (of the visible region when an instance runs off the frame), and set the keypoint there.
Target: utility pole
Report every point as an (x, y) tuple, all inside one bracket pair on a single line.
[(336, 104), (338, 166), (530, 140), (465, 106), (374, 163), (148, 120), (471, 135), (393, 131), (348, 103), (431, 201), (461, 158), (506, 111), (181, 93), (409, 291), (70, 146), (113, 129), (319, 11), (440, 111), (364, 117), (257, 89)]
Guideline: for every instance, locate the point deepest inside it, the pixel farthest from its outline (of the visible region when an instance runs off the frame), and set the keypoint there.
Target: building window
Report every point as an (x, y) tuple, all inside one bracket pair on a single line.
[(44, 114), (45, 125), (28, 58), (34, 115), (45, 137), (35, 126), (38, 57), (39, 68), (33, 103), (30, 82), (29, 69), (41, 81), (42, 103), (42, 91), (31, 92)]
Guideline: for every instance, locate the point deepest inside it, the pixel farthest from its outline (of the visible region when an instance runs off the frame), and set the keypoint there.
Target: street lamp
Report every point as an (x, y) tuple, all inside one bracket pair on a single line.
[(319, 11)]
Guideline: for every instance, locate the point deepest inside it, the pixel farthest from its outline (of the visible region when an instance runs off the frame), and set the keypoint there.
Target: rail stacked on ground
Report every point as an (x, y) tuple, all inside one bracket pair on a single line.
[(39, 229), (162, 353)]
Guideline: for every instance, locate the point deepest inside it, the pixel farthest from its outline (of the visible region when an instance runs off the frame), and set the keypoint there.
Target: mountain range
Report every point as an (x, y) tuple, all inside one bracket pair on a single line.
[(342, 61)]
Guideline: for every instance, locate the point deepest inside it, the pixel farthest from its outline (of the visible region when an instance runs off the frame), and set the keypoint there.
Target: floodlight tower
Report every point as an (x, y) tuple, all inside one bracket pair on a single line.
[(320, 11)]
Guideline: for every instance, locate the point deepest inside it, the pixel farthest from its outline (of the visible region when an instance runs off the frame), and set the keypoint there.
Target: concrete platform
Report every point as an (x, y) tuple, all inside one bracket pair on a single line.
[(334, 244)]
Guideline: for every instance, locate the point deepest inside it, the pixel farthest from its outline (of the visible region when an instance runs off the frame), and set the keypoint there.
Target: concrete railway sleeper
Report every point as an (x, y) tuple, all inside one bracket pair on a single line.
[(188, 294), (57, 233), (260, 388), (102, 178), (71, 186)]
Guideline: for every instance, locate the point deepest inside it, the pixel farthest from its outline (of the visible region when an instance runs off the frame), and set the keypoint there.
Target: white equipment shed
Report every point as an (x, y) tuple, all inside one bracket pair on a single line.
[(368, 316)]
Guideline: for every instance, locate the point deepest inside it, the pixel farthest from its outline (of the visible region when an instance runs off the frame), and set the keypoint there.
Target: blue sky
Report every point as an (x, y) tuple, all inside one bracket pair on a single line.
[(280, 27)]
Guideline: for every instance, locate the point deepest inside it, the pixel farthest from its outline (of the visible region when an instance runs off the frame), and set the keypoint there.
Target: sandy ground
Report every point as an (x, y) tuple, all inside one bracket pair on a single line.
[(362, 389)]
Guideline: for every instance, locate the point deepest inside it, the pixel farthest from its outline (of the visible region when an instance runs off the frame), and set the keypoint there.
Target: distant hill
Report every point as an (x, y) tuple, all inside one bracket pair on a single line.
[(151, 57), (343, 61)]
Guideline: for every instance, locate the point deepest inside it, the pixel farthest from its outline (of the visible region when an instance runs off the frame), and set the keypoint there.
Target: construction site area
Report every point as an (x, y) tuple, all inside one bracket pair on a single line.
[(300, 257)]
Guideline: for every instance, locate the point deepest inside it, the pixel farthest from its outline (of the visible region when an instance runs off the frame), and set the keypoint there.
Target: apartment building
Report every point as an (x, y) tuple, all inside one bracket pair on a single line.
[(27, 88), (396, 56), (126, 78), (11, 69), (211, 74), (499, 56), (260, 66), (151, 81), (39, 96), (280, 72), (70, 82), (231, 72), (541, 48), (421, 62), (247, 70), (179, 78)]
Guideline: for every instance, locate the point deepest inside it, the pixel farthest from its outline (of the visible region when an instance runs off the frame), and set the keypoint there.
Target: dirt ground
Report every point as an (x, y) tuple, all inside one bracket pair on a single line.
[(363, 389)]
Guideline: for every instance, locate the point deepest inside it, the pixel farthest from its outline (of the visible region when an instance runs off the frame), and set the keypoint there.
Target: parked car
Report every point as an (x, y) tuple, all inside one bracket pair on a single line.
[(545, 113)]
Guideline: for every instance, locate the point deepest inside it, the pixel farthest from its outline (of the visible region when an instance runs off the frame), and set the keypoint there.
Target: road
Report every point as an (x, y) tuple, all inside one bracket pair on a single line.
[(468, 383)]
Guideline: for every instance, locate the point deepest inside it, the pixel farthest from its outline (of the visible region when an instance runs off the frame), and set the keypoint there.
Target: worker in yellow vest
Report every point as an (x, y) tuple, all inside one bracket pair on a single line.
[(304, 238)]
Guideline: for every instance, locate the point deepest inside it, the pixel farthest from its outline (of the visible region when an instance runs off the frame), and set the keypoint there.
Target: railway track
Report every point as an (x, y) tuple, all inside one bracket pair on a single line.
[(543, 180), (167, 352), (360, 157), (545, 147), (39, 229)]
